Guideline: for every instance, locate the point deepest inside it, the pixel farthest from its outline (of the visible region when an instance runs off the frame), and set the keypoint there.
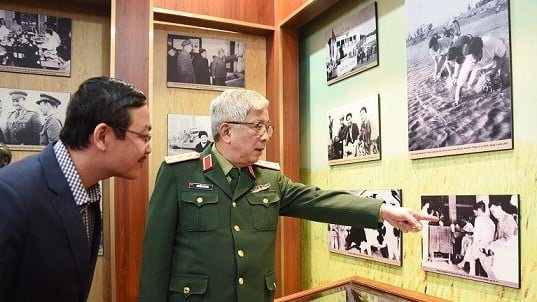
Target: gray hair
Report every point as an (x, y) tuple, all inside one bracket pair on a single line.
[(232, 105)]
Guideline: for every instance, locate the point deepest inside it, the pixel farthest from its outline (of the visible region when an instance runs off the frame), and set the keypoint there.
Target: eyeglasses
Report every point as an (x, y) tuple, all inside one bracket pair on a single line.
[(259, 127), (144, 137)]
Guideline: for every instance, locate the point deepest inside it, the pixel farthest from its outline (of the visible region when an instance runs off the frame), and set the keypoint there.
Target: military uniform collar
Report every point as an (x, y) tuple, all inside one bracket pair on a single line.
[(225, 164)]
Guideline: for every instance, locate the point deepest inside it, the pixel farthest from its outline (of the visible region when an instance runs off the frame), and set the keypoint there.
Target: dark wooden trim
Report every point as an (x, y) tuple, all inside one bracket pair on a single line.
[(131, 63)]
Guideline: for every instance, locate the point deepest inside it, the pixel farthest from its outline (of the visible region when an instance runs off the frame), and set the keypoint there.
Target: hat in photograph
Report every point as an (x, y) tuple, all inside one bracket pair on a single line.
[(186, 42), (17, 94), (50, 99)]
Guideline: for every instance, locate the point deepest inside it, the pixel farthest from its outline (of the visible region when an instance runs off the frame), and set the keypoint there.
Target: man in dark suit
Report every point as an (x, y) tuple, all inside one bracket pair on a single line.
[(211, 230), (50, 219)]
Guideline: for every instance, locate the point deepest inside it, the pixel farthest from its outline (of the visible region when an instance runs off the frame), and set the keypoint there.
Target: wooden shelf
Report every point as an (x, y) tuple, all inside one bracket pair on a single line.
[(164, 16), (306, 12)]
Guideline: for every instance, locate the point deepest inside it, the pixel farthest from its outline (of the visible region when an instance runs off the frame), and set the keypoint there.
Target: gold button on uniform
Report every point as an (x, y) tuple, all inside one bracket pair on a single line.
[(234, 204), (186, 290), (241, 281), (237, 228), (240, 253), (199, 200), (265, 201)]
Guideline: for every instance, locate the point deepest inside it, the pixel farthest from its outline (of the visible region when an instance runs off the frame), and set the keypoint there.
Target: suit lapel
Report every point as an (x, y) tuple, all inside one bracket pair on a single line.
[(68, 212)]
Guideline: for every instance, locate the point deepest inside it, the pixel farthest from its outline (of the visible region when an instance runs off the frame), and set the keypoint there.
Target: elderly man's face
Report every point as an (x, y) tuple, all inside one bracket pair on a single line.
[(248, 145)]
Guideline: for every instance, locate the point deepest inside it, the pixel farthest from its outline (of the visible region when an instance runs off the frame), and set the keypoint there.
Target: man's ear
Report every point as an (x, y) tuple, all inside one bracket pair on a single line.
[(100, 135), (225, 132)]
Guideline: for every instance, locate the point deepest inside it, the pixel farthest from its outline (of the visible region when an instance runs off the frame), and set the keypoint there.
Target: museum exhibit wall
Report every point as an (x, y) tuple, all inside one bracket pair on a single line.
[(499, 172), (90, 57)]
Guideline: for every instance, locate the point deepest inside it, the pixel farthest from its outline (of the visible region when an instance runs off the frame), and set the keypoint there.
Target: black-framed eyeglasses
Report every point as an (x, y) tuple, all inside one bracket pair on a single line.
[(145, 137), (259, 127)]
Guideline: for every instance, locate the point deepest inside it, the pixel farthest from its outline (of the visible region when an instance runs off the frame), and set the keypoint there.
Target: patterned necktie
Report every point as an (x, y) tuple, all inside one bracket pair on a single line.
[(234, 173), (88, 218)]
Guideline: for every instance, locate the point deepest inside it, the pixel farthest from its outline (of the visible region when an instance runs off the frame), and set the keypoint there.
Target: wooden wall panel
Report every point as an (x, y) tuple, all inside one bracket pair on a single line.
[(90, 57), (254, 11)]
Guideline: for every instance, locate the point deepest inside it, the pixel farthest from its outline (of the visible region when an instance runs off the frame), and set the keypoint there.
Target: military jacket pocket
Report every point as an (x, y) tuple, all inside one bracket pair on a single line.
[(265, 210), (188, 287), (270, 286), (199, 211)]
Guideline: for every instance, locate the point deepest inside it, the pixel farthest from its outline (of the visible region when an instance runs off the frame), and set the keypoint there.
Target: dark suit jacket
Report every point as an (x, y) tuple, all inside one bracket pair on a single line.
[(203, 243), (44, 253)]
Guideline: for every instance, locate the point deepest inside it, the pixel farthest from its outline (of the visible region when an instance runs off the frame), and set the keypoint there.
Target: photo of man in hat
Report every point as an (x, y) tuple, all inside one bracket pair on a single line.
[(50, 132), (184, 63), (23, 125)]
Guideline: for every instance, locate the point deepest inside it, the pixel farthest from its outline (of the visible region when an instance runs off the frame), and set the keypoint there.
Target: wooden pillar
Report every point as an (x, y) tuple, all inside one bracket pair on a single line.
[(130, 52)]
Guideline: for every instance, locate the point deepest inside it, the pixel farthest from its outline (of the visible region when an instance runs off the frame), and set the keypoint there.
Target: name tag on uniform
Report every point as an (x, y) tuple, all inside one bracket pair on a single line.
[(198, 186), (260, 188)]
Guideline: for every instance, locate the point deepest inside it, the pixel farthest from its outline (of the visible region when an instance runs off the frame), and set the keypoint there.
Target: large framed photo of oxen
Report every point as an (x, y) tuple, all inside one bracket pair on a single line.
[(383, 244), (476, 237), (205, 63), (31, 119), (459, 77), (187, 133), (352, 45), (33, 43), (354, 132)]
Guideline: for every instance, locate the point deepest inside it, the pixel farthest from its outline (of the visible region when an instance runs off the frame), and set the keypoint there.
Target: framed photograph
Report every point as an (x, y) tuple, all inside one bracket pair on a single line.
[(382, 244), (204, 63), (352, 45), (31, 119), (187, 133), (354, 132), (459, 77), (476, 237), (32, 43)]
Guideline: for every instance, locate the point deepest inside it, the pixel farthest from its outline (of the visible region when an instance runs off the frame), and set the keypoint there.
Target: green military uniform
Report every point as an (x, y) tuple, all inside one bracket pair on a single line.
[(205, 243)]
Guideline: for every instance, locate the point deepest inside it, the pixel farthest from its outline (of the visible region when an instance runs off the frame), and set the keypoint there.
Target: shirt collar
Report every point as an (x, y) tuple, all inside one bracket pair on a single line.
[(80, 194)]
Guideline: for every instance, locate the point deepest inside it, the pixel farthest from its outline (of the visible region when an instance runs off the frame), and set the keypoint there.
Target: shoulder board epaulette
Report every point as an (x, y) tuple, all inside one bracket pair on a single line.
[(177, 158), (268, 164)]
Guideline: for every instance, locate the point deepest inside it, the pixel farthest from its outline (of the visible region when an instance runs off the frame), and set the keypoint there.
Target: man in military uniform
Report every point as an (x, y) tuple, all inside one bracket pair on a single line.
[(211, 228), (23, 125), (50, 132)]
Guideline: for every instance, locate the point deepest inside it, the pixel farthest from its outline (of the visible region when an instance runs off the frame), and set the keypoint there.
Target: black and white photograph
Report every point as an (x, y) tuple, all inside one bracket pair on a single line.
[(476, 237), (204, 63), (31, 119), (459, 77), (354, 132), (36, 44), (187, 133), (352, 45), (382, 244)]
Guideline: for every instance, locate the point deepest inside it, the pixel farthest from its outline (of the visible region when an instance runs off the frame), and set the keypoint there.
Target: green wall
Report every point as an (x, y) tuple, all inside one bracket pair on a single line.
[(500, 172)]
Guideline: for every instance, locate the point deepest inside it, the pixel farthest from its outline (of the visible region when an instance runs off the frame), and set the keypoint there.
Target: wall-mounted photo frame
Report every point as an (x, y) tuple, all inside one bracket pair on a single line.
[(383, 244), (187, 133), (31, 119), (354, 132), (205, 63), (352, 45), (459, 77), (36, 44), (476, 238)]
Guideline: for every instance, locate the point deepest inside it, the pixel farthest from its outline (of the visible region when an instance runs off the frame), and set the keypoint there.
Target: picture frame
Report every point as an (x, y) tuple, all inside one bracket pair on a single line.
[(204, 63), (188, 133), (352, 45), (459, 77), (382, 245), (477, 237), (31, 119), (35, 43), (350, 141)]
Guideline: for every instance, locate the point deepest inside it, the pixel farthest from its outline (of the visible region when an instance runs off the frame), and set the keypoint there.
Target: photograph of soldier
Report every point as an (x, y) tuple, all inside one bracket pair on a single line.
[(31, 118), (199, 62), (187, 133)]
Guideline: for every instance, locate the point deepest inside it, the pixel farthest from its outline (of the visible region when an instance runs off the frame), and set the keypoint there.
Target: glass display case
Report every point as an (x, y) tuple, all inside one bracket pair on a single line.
[(358, 289)]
